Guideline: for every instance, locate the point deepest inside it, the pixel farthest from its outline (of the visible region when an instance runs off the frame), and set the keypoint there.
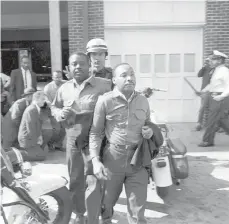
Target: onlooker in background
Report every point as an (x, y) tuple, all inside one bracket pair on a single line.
[(51, 88), (205, 74), (30, 130), (21, 79), (12, 120), (5, 99), (58, 131), (5, 80), (219, 94)]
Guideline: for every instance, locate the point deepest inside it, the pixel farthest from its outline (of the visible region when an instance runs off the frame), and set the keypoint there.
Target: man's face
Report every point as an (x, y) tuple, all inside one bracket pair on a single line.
[(25, 63), (215, 62), (29, 98), (57, 78), (79, 67), (98, 60), (41, 101), (124, 78)]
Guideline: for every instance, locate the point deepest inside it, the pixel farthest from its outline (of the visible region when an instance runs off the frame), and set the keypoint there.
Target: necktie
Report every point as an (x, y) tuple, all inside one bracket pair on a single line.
[(25, 80)]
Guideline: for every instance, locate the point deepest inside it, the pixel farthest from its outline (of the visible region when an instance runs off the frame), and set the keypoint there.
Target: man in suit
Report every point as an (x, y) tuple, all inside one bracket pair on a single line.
[(30, 131), (21, 79), (12, 120)]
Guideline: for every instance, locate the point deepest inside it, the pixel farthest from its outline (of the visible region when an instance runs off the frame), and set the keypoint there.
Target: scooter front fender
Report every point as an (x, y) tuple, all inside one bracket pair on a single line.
[(39, 185), (162, 175)]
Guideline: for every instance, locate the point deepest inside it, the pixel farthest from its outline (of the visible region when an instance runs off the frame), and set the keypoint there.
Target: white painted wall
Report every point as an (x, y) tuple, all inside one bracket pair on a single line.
[(153, 12)]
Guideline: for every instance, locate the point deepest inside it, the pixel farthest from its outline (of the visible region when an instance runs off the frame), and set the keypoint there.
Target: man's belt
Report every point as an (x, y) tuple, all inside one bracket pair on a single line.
[(215, 93), (127, 146)]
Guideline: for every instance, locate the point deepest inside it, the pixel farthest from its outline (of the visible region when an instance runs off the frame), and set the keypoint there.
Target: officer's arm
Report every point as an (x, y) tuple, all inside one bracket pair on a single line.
[(57, 105), (226, 79), (97, 128)]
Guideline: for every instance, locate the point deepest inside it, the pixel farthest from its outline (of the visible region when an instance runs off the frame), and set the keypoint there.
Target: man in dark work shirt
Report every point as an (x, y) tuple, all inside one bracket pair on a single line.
[(205, 72)]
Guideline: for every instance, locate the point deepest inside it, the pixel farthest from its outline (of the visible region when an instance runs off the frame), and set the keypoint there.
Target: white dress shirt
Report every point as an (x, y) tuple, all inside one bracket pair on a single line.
[(220, 81), (27, 78)]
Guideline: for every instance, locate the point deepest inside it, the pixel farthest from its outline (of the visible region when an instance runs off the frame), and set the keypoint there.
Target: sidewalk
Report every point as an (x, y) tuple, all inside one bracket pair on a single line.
[(203, 198)]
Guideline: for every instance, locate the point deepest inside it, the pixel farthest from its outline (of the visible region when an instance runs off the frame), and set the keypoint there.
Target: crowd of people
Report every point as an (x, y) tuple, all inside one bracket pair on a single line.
[(101, 137), (105, 122)]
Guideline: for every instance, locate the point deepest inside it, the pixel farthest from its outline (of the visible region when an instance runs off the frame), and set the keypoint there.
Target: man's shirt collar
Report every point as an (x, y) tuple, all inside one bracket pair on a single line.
[(90, 80), (117, 93)]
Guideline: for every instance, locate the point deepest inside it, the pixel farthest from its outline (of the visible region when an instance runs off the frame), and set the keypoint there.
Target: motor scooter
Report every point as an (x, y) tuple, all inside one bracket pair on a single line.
[(171, 164), (32, 199)]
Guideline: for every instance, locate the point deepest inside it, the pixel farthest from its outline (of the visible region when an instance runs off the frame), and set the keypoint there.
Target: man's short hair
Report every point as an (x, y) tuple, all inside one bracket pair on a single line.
[(58, 72), (37, 95), (118, 65), (24, 56), (79, 54)]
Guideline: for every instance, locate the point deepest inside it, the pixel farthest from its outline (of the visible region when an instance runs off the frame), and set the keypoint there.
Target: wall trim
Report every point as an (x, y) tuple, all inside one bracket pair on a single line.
[(146, 26)]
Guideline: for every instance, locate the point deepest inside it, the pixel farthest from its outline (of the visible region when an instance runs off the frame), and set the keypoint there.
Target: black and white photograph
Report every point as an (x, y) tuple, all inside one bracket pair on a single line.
[(114, 112)]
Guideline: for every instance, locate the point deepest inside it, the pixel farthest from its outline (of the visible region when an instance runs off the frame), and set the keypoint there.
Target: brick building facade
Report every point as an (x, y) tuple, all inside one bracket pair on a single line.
[(86, 21), (216, 31)]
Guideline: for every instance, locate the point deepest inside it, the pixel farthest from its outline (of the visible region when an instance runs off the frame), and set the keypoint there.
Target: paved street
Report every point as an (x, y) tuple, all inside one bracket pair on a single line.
[(203, 198)]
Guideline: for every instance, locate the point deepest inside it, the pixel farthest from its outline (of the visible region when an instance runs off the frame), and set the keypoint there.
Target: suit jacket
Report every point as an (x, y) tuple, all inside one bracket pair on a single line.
[(30, 127), (12, 120), (147, 148), (17, 83)]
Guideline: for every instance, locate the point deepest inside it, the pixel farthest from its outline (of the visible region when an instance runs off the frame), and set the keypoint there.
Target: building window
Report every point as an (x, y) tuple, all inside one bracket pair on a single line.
[(174, 63), (189, 62), (160, 63), (115, 60), (145, 63), (131, 59)]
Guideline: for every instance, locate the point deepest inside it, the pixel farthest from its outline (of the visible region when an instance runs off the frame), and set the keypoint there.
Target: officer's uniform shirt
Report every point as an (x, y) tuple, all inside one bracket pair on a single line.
[(105, 73), (120, 119), (220, 80)]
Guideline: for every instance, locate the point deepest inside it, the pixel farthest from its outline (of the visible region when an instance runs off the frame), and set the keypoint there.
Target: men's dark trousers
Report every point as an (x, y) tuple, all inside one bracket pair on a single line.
[(204, 109), (76, 171), (216, 117), (117, 160)]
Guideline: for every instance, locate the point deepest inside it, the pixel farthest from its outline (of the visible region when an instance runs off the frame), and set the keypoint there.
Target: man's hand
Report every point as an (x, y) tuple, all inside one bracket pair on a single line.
[(65, 112), (218, 98), (147, 132), (100, 171)]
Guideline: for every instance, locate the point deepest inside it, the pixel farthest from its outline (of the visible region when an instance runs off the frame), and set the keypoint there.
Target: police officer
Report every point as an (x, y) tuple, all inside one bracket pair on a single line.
[(97, 51), (74, 107), (219, 93)]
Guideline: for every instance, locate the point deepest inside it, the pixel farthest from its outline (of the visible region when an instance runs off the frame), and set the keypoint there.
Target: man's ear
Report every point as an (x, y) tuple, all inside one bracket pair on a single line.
[(114, 80)]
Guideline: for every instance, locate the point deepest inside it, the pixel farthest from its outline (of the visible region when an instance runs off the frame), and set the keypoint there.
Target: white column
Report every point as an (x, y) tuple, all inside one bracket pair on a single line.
[(55, 35)]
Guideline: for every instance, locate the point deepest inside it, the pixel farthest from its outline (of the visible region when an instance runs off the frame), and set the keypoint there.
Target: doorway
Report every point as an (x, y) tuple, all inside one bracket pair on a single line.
[(9, 61)]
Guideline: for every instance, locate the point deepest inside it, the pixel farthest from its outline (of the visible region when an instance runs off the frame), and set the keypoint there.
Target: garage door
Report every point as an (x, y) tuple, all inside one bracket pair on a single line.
[(161, 59)]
